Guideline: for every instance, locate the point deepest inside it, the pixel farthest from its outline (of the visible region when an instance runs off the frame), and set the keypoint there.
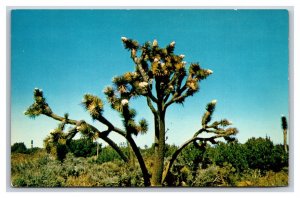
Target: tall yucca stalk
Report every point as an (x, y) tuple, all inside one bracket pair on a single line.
[(284, 126)]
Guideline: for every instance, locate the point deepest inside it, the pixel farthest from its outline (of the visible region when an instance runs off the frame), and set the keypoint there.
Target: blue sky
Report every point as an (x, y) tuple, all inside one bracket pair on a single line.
[(68, 53)]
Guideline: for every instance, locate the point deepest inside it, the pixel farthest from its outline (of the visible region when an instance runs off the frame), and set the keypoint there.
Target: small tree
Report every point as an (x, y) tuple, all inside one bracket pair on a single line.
[(259, 153), (160, 76), (19, 147)]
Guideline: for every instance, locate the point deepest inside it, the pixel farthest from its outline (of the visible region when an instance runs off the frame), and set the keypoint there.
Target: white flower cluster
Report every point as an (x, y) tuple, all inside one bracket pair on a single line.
[(182, 56), (154, 44), (209, 71), (52, 131), (124, 39), (124, 102), (172, 44), (37, 89)]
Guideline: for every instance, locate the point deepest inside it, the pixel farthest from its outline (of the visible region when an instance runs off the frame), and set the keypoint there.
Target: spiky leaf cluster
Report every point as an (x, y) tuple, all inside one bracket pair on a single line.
[(128, 114), (143, 126), (39, 106), (284, 124), (93, 105), (129, 43), (210, 108)]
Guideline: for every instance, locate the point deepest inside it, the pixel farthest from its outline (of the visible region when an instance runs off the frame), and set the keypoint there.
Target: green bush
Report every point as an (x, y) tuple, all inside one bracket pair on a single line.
[(83, 147), (233, 153), (191, 156), (264, 155), (256, 153), (279, 159), (259, 153), (108, 154)]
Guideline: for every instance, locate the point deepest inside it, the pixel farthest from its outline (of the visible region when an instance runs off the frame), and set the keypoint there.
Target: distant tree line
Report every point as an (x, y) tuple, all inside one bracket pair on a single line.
[(256, 153)]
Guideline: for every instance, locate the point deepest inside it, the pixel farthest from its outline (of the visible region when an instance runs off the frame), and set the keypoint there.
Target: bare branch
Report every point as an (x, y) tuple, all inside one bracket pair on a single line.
[(144, 76), (151, 106), (193, 139)]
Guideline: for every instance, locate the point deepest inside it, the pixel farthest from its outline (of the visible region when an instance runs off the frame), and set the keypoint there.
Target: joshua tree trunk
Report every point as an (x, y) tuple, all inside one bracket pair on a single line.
[(159, 150)]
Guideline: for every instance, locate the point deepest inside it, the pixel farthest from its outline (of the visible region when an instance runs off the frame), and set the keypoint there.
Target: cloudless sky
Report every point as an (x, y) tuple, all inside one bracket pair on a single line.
[(68, 53)]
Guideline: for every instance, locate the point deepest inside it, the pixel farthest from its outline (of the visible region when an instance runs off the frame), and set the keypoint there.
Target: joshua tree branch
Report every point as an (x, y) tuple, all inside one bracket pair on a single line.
[(150, 95), (100, 134), (178, 94), (71, 134), (176, 98), (140, 159), (134, 147), (110, 126), (166, 98)]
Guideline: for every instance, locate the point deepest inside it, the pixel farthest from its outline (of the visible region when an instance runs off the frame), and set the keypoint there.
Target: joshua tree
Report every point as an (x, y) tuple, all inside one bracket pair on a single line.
[(284, 128), (160, 76)]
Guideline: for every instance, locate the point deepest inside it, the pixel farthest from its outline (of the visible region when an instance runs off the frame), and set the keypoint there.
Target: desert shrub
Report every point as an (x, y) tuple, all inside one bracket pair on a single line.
[(45, 171), (206, 177), (249, 177), (256, 178), (33, 171), (116, 173), (215, 176), (273, 179)]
